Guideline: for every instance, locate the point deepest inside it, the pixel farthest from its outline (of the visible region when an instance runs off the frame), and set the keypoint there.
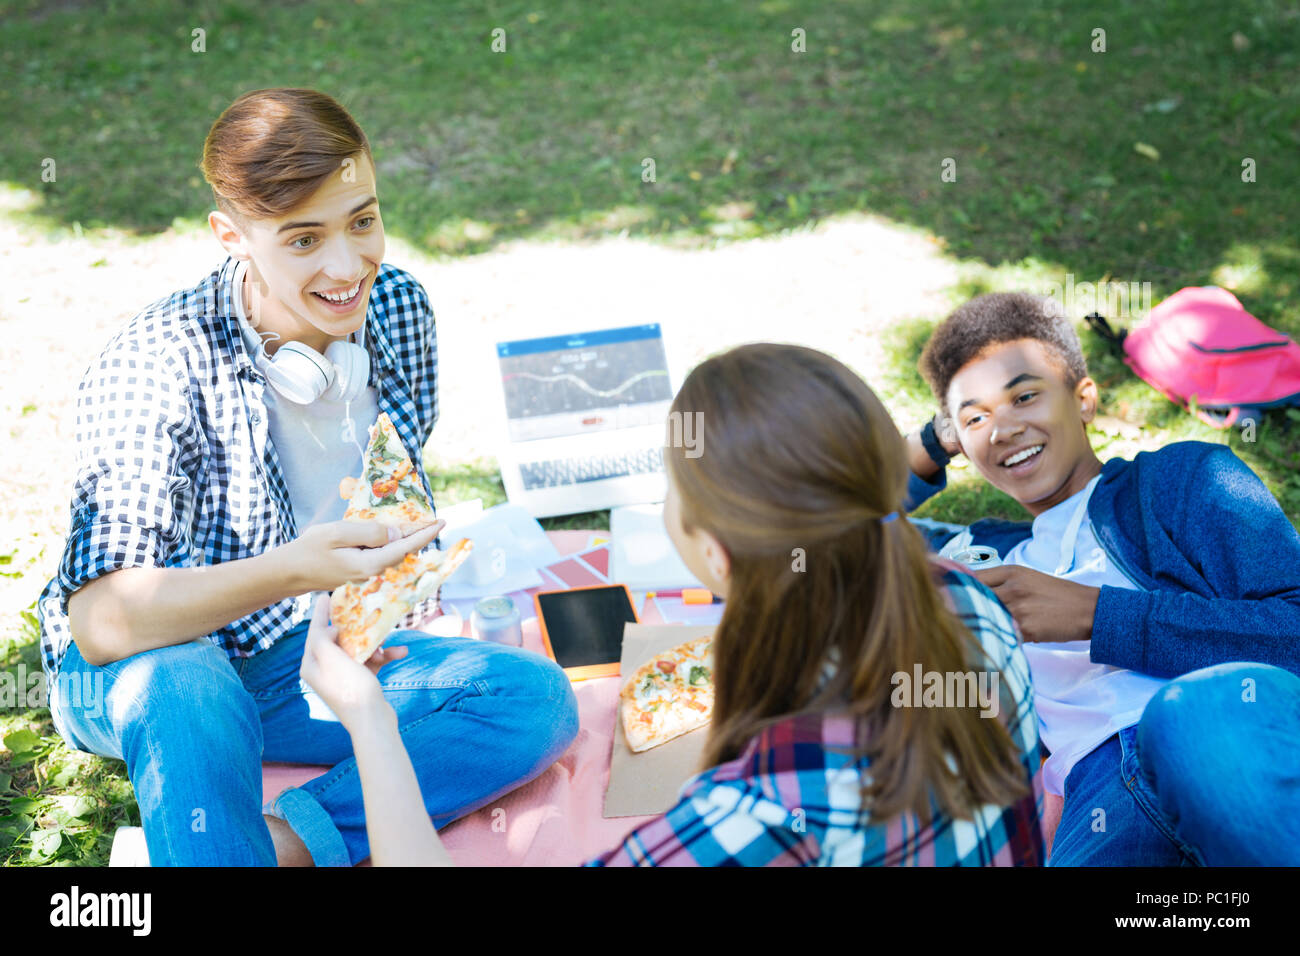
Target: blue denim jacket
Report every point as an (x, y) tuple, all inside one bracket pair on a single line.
[(1216, 560)]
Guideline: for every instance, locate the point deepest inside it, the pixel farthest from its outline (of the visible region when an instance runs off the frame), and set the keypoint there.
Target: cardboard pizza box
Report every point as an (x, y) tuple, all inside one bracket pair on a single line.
[(648, 782)]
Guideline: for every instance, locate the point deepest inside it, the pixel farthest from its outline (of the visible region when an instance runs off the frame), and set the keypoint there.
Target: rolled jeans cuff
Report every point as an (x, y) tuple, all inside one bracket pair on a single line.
[(313, 825)]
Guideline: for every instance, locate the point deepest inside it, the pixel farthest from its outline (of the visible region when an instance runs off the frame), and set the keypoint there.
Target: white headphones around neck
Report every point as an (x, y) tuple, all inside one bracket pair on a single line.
[(302, 375)]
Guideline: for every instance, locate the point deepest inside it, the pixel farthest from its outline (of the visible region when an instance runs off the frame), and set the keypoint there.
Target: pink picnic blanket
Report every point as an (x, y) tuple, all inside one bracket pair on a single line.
[(554, 819)]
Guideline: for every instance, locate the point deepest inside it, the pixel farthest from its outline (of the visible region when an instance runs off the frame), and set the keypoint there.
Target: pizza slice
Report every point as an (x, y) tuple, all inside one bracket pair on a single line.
[(669, 695), (366, 612), (389, 489)]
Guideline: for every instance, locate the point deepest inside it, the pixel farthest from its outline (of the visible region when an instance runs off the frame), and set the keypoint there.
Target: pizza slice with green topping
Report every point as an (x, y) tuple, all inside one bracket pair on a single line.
[(669, 695), (389, 489)]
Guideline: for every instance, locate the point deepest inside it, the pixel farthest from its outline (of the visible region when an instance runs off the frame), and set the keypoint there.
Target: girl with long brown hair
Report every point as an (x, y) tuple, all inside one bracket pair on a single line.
[(789, 506), (873, 703)]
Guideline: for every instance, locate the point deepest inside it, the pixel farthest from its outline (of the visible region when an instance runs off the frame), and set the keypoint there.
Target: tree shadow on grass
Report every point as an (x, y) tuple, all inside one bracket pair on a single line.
[(1126, 161), (1167, 157)]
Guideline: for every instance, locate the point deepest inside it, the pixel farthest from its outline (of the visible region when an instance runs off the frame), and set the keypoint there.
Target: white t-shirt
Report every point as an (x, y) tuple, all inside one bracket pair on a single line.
[(317, 444), (1080, 703)]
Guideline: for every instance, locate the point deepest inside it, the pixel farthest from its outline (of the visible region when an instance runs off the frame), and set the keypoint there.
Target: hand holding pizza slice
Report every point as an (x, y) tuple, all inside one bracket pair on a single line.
[(365, 613)]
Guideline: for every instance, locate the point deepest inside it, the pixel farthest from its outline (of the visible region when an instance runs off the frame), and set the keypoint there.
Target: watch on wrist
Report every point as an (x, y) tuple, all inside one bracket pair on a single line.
[(933, 447)]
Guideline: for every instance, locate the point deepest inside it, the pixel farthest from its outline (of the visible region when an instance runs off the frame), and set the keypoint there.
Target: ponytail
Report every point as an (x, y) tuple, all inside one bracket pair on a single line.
[(831, 592)]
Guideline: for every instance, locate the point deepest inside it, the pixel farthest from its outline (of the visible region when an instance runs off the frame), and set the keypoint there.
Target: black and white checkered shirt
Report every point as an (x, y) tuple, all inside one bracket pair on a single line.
[(174, 462)]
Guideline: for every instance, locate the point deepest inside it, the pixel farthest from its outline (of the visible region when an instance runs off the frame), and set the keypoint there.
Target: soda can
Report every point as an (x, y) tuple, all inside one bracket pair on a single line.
[(497, 619), (978, 558)]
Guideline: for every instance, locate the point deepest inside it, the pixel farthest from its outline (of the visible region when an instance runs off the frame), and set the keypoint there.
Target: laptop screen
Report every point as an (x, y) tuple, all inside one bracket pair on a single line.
[(588, 382)]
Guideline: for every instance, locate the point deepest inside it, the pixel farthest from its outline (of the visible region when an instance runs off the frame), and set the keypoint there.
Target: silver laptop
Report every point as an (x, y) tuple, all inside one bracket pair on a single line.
[(585, 419)]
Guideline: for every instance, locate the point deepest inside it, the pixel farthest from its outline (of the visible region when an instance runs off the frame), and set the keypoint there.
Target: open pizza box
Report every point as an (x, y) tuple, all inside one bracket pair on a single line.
[(647, 783)]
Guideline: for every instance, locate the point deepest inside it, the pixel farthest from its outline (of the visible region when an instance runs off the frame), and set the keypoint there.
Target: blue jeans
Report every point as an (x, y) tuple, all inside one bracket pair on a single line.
[(193, 726), (1208, 777)]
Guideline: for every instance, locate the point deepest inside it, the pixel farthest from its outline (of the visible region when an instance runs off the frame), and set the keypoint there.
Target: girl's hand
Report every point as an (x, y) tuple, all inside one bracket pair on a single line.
[(350, 689)]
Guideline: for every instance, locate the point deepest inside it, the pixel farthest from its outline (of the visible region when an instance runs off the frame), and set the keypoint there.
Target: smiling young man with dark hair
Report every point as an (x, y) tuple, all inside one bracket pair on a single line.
[(1158, 598), (206, 518)]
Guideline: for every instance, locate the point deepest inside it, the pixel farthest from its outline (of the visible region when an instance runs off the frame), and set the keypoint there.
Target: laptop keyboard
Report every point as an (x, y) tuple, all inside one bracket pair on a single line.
[(574, 471)]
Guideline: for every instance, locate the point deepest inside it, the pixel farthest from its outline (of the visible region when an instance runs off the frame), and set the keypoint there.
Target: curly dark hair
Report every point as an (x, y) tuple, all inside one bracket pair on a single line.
[(992, 319)]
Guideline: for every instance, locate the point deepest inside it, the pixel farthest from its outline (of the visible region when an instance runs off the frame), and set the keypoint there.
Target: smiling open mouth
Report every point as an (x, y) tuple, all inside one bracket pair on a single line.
[(339, 302), (1028, 455)]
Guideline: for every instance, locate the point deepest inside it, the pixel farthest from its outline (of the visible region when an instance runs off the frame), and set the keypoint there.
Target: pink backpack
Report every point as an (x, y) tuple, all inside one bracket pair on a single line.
[(1200, 346)]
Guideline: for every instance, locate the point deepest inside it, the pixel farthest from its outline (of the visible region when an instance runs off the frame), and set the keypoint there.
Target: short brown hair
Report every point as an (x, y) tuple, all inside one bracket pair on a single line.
[(271, 149), (992, 319)]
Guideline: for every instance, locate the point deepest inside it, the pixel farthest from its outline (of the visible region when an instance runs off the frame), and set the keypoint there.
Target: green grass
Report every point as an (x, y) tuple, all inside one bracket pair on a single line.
[(748, 138), (57, 806), (454, 482), (548, 138)]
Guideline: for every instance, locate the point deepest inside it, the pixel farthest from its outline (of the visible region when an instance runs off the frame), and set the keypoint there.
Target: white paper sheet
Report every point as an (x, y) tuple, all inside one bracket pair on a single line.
[(642, 555), (521, 547)]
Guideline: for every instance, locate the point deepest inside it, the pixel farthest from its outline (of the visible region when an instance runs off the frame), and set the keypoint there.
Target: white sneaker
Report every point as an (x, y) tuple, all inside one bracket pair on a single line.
[(129, 848)]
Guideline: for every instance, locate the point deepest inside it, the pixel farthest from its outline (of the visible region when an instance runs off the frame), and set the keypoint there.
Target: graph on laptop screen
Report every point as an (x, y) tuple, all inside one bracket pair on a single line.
[(585, 383)]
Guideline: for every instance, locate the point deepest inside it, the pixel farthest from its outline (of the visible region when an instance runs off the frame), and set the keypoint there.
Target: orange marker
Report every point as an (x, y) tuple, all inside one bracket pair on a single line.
[(689, 595)]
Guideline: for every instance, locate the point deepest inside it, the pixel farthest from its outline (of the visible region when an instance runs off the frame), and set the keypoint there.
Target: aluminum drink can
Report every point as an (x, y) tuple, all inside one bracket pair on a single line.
[(978, 557), (497, 619)]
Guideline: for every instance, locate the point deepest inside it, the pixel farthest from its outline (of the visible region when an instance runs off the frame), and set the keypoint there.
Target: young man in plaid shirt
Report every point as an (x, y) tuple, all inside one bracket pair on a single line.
[(206, 517)]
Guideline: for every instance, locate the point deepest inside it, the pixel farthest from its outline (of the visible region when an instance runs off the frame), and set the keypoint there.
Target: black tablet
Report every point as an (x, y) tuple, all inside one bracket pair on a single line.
[(582, 628)]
